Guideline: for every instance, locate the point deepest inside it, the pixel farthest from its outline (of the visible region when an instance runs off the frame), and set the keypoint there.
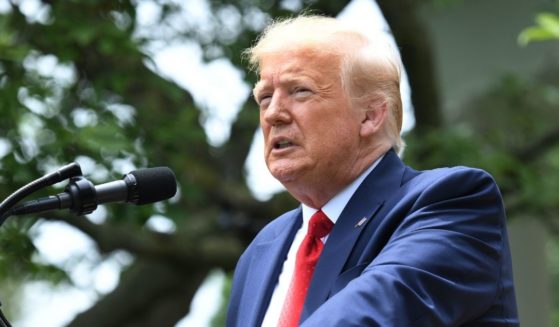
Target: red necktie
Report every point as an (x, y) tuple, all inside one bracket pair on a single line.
[(307, 257)]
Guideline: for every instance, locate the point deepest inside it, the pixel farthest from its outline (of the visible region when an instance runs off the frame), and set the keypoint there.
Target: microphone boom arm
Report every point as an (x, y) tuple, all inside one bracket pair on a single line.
[(59, 175)]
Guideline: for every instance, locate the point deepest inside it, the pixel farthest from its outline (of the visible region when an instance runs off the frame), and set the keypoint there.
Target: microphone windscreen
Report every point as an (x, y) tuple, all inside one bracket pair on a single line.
[(155, 184)]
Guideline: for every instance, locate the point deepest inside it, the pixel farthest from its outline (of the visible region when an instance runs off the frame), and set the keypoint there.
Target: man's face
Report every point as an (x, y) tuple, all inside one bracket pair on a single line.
[(311, 132)]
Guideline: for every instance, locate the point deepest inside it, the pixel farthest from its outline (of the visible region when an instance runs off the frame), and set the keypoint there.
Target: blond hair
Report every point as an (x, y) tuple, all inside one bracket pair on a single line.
[(370, 67)]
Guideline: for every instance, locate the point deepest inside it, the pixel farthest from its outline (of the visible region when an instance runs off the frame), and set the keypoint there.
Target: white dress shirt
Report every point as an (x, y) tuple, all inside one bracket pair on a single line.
[(332, 209)]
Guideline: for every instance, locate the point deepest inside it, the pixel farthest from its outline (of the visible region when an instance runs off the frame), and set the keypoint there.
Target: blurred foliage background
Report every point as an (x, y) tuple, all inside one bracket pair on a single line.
[(78, 82)]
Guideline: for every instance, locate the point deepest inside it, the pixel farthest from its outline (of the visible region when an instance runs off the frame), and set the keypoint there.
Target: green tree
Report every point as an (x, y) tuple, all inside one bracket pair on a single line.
[(103, 103), (110, 107), (547, 29)]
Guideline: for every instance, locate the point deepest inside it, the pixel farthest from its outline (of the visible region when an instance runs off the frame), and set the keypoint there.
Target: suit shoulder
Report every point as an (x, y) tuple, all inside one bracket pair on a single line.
[(455, 181), (457, 171), (464, 174)]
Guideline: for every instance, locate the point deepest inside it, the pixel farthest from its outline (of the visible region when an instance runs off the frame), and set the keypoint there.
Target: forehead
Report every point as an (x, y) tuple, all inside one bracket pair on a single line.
[(292, 65)]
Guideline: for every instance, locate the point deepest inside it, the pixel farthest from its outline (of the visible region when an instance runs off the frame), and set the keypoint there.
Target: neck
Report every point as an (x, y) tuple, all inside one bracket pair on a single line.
[(317, 195)]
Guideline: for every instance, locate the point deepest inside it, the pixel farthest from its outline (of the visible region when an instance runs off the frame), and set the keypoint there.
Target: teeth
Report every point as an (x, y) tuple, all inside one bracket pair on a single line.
[(282, 144)]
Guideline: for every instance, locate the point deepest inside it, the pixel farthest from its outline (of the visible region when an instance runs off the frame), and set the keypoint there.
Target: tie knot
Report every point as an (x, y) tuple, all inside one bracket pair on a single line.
[(320, 225)]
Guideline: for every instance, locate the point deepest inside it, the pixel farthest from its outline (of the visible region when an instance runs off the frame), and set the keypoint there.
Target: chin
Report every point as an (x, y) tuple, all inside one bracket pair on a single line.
[(283, 177), (283, 174)]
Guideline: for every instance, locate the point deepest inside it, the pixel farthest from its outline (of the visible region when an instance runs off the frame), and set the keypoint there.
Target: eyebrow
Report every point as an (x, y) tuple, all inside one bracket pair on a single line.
[(285, 80), (258, 87)]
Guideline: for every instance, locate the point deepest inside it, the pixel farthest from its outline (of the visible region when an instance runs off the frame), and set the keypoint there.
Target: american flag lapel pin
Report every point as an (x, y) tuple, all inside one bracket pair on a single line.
[(361, 222)]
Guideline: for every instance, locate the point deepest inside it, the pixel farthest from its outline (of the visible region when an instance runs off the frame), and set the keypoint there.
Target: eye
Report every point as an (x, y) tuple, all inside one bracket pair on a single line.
[(301, 92), (264, 99)]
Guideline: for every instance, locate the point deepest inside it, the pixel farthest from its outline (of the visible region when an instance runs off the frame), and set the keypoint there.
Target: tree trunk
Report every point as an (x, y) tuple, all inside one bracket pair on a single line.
[(418, 58), (160, 288)]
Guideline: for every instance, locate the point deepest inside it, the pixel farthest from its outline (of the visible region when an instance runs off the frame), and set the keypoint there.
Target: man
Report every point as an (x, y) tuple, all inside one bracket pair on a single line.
[(395, 246)]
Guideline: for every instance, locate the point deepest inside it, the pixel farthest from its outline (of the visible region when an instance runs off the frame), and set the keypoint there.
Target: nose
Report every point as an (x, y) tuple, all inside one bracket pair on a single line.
[(277, 112)]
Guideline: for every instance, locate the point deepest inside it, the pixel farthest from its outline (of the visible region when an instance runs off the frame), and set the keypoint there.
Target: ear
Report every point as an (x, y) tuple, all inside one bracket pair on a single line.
[(373, 119)]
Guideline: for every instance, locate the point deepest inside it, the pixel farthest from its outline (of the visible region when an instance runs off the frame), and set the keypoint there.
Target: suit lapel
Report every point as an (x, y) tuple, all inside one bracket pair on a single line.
[(362, 208), (267, 259)]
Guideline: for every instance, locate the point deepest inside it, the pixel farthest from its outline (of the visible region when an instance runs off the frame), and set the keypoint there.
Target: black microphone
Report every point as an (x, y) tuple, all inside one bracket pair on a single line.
[(141, 186)]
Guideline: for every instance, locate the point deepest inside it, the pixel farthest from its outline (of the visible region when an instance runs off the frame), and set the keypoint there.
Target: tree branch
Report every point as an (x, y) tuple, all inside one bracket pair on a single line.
[(185, 250)]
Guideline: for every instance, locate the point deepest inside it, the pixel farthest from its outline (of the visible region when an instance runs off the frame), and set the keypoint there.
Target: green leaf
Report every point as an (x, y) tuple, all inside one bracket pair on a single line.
[(547, 28), (549, 22)]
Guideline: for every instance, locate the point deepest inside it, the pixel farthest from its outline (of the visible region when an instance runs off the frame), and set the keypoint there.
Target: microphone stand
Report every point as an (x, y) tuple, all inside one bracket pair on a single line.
[(3, 321), (65, 172)]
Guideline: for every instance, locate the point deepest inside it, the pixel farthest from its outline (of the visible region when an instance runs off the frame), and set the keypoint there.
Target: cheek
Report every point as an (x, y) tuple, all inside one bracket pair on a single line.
[(265, 129), (340, 136), (262, 121)]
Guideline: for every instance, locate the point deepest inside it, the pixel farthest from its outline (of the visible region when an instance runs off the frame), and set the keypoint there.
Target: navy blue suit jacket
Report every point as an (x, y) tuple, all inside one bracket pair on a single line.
[(432, 252)]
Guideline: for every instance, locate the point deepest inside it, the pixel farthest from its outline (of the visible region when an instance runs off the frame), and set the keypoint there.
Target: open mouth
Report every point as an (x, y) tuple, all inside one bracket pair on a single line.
[(282, 144)]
